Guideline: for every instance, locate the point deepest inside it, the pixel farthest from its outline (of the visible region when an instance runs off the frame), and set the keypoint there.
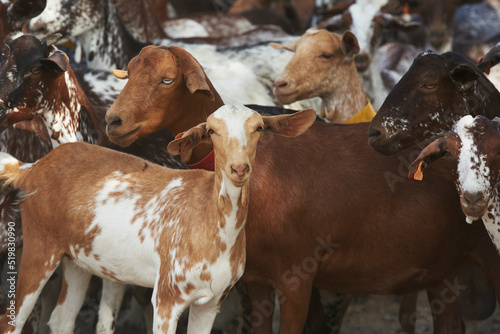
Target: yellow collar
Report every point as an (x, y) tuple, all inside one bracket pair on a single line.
[(365, 115)]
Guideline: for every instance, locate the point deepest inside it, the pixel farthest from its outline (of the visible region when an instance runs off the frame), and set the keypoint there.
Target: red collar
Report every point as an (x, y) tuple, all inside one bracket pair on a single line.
[(207, 163)]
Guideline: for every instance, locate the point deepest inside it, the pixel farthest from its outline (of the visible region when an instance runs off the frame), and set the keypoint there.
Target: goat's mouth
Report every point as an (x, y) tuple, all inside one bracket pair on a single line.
[(474, 212), (123, 139), (285, 96)]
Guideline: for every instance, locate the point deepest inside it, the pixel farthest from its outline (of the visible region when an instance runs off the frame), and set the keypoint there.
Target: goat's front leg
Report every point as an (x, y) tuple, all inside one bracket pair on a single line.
[(168, 305), (445, 308), (262, 305), (74, 289), (111, 300), (294, 306), (201, 318)]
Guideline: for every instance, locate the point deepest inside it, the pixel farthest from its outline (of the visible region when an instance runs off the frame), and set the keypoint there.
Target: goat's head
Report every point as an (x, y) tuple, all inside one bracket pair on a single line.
[(435, 92), (68, 17), (322, 61), (366, 20), (160, 78), (473, 147), (234, 131), (28, 69)]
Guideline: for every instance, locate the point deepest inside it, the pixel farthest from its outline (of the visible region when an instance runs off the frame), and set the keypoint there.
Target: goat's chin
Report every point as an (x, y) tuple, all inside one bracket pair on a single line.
[(285, 97), (123, 140), (474, 212)]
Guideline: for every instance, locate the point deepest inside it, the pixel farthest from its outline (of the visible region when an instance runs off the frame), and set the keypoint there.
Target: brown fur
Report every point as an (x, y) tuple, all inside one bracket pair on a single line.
[(393, 238)]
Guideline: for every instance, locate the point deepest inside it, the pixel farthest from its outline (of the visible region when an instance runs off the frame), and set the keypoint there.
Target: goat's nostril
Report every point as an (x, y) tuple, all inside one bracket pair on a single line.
[(473, 198), (113, 122), (374, 133), (281, 84)]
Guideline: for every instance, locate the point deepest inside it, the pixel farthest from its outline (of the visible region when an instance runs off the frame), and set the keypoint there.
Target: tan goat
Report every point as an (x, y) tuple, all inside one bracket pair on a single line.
[(323, 65), (134, 222)]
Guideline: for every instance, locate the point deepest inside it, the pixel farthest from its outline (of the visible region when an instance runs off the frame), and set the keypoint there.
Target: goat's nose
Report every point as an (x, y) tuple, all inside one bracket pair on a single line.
[(240, 170), (473, 198), (280, 83), (374, 134), (113, 122)]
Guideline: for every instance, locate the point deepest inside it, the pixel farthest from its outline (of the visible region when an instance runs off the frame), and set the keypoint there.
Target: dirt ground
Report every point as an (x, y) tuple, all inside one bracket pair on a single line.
[(379, 315)]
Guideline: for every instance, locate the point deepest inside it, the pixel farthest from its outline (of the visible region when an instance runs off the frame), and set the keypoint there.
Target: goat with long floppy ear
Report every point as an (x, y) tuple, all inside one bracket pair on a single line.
[(429, 154)]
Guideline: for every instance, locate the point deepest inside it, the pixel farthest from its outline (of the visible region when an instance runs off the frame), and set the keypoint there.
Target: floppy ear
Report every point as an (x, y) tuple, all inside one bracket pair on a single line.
[(57, 60), (185, 144), (429, 154), (120, 74), (196, 81), (349, 45), (290, 125), (463, 73), (290, 46)]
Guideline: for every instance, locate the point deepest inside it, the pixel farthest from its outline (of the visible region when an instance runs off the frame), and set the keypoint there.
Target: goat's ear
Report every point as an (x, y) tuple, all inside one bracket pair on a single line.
[(57, 60), (290, 46), (463, 73), (120, 74), (196, 81), (189, 139), (349, 45), (429, 154), (290, 125)]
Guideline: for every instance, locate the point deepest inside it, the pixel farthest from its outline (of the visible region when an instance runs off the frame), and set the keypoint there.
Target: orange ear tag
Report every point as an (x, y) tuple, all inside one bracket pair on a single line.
[(419, 174)]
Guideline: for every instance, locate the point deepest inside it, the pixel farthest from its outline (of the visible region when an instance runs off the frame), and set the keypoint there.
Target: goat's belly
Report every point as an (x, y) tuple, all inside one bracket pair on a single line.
[(119, 250)]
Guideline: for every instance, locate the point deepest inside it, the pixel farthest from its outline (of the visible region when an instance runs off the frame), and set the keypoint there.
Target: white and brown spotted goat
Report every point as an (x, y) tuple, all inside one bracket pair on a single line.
[(183, 230), (473, 146)]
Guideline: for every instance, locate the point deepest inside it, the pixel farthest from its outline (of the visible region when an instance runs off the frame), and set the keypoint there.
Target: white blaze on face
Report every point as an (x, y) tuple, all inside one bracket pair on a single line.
[(362, 14), (235, 117), (473, 174)]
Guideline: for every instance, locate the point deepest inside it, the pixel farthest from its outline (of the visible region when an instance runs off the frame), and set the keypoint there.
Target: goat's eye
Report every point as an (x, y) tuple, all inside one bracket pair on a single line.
[(429, 85), (167, 81), (210, 131), (326, 56), (36, 70), (259, 129)]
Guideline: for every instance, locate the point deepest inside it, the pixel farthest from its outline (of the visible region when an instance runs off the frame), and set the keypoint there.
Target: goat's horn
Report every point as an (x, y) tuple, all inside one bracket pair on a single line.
[(52, 39)]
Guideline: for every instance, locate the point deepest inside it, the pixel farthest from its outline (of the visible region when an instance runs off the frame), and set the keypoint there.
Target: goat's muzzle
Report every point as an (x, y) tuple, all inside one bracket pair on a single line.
[(474, 204), (241, 170)]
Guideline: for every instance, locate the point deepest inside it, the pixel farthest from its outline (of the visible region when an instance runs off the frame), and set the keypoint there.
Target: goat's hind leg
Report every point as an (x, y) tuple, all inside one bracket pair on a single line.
[(111, 300), (35, 270), (74, 289)]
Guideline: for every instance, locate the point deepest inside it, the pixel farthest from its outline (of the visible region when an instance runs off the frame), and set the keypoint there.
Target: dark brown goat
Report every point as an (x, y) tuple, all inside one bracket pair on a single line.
[(342, 226), (435, 93)]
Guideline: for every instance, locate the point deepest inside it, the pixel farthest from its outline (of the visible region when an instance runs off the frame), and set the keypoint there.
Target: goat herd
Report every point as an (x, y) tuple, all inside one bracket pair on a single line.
[(163, 152)]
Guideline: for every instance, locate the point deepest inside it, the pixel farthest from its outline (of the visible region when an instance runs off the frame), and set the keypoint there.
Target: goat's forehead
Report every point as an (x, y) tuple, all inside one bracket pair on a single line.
[(318, 39), (154, 61), (236, 119)]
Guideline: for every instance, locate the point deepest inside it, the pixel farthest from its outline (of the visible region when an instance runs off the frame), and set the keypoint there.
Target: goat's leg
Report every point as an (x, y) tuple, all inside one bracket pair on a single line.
[(34, 272), (408, 312), (294, 306), (262, 301), (73, 291), (111, 300), (445, 308), (201, 318), (49, 297), (168, 307)]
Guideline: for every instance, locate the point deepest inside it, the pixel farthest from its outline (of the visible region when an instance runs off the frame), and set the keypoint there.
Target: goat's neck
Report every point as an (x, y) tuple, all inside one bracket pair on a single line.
[(491, 224), (345, 101), (61, 112), (109, 45), (230, 211)]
